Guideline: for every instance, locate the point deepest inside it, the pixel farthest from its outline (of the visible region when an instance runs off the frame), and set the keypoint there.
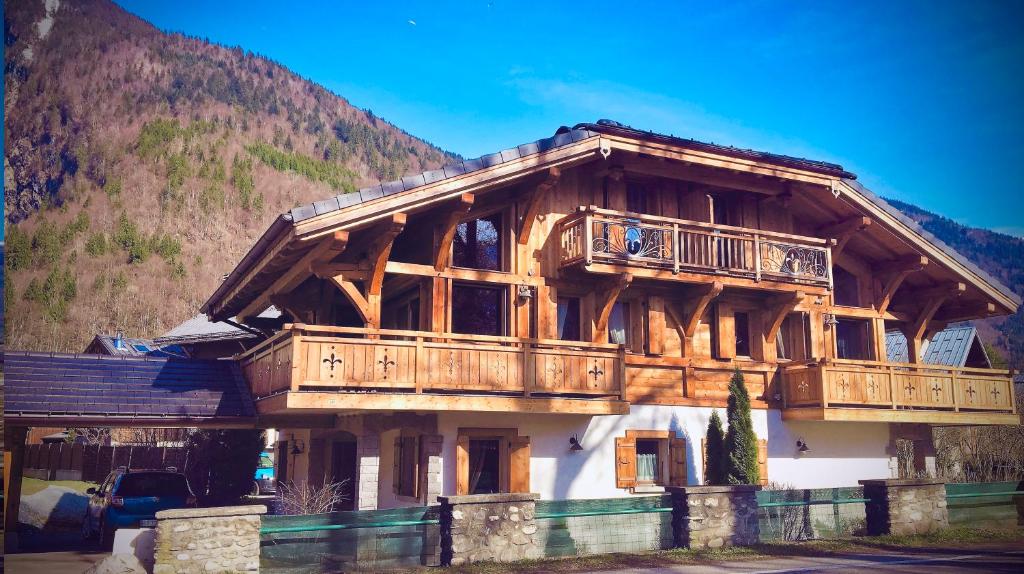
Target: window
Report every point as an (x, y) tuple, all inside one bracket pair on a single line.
[(742, 324), (618, 324), (636, 198), (478, 310), (406, 468), (853, 339), (650, 458), (477, 243), (793, 339), (406, 314), (845, 288), (569, 318), (491, 460)]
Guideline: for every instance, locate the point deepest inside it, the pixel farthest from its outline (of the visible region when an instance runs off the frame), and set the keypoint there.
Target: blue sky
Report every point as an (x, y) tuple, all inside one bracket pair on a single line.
[(923, 100)]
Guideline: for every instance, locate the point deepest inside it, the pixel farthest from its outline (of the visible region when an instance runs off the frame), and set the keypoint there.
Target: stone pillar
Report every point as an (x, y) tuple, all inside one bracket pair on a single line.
[(368, 458), (905, 506), (715, 516), (431, 456), (224, 540), (488, 527)]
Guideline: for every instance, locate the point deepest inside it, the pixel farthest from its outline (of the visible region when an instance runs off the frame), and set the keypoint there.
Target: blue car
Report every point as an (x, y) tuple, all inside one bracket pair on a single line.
[(131, 499), (264, 482)]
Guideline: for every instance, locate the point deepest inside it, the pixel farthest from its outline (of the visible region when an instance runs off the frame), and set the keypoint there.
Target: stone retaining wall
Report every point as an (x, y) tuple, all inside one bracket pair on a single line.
[(905, 506), (715, 516), (196, 540), (488, 527)]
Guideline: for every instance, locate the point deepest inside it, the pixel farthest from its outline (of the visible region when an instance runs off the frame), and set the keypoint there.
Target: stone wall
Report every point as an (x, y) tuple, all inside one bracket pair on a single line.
[(488, 527), (197, 540), (715, 516), (905, 506)]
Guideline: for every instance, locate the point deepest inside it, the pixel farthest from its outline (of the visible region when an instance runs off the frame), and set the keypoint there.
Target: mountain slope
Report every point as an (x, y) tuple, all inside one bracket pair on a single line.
[(141, 165), (998, 254)]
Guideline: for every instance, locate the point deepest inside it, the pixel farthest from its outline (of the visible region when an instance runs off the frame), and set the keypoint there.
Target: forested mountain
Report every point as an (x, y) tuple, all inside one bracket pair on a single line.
[(140, 166), (1000, 255)]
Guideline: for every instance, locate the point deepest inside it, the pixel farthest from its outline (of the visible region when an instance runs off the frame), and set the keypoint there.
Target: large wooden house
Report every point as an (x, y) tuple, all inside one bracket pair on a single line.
[(563, 316)]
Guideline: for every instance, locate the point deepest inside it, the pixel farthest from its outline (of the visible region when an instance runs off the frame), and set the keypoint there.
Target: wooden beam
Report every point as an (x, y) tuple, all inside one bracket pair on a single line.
[(842, 231), (333, 401), (298, 309), (891, 276), (698, 304), (933, 298), (777, 311), (533, 204), (354, 296), (378, 254), (975, 310), (451, 223), (605, 297), (328, 248)]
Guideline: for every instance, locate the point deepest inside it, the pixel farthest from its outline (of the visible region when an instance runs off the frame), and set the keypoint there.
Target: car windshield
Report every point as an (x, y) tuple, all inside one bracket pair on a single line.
[(153, 484), (266, 461)]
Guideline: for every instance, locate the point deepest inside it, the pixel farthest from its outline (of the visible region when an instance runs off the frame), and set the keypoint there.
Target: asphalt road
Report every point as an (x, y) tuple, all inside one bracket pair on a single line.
[(929, 561)]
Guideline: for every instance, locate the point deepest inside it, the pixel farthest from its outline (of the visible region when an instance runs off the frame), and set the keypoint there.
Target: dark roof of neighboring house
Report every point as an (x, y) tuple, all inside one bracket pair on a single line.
[(135, 347), (200, 329), (119, 389), (950, 347)]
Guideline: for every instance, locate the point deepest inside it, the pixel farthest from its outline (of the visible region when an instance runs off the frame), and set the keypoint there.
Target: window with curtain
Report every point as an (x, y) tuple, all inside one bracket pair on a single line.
[(618, 324), (648, 468), (569, 318), (478, 310), (477, 243), (484, 466)]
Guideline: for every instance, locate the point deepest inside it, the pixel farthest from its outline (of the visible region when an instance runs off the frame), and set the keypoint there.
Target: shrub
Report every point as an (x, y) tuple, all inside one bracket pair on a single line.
[(714, 467), (113, 187), (46, 244), (228, 459), (306, 498), (740, 440), (96, 244), (18, 248), (155, 137)]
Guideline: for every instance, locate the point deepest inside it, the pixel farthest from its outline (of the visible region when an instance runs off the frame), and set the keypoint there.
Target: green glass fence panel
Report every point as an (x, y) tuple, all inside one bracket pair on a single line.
[(810, 513), (598, 526), (984, 504)]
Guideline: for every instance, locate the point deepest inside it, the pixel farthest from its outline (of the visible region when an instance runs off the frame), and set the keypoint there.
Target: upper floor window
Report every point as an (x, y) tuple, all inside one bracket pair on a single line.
[(569, 319), (478, 243), (741, 321), (636, 198), (618, 324), (853, 339), (845, 287), (478, 310)]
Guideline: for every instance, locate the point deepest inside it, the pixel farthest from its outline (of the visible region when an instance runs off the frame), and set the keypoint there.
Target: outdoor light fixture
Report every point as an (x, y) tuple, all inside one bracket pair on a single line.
[(574, 444), (830, 320), (298, 446), (801, 447), (524, 293)]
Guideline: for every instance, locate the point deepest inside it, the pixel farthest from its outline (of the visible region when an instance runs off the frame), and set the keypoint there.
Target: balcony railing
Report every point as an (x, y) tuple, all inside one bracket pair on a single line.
[(879, 385), (309, 357), (598, 235)]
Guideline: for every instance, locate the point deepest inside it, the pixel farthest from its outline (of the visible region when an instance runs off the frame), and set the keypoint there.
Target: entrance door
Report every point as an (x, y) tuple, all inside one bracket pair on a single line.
[(343, 469)]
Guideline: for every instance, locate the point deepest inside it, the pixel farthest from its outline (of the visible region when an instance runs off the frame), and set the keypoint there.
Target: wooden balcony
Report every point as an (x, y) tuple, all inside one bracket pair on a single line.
[(331, 369), (897, 392), (594, 237)]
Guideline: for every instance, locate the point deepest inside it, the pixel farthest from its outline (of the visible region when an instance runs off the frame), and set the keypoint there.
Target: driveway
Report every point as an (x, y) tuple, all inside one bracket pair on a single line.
[(52, 562)]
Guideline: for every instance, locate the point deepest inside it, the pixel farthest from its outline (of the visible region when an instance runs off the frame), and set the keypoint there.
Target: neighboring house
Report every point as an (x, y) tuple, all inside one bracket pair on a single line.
[(958, 346), (205, 339), (119, 345)]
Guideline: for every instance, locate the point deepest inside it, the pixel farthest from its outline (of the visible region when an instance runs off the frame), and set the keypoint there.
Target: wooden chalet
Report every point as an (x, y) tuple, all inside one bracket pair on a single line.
[(450, 331)]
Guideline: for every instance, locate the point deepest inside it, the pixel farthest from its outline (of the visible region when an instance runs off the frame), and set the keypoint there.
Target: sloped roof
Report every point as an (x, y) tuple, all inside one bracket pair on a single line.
[(200, 329), (135, 347), (120, 389), (950, 347)]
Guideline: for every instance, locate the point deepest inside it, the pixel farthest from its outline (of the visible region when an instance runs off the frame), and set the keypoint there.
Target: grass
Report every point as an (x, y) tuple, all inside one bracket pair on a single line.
[(950, 538), (33, 485)]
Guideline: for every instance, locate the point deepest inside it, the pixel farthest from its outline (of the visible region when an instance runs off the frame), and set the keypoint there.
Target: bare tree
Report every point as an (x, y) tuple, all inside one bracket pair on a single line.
[(90, 436), (305, 498)]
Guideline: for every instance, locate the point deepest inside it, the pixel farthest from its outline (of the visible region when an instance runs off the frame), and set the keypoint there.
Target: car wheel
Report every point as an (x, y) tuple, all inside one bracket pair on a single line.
[(106, 537), (87, 533), (255, 489)]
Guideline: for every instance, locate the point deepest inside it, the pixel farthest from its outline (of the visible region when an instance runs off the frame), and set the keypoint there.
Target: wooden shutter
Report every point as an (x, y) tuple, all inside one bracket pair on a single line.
[(762, 460), (677, 462), (519, 464), (410, 466), (625, 462), (396, 467), (726, 343), (655, 325), (462, 465)]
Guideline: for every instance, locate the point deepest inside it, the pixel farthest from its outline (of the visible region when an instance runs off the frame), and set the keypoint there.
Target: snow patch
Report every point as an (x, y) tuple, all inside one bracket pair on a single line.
[(53, 507), (43, 26)]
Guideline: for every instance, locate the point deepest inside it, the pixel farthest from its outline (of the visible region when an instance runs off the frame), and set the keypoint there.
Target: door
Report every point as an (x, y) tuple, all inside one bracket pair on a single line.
[(343, 470)]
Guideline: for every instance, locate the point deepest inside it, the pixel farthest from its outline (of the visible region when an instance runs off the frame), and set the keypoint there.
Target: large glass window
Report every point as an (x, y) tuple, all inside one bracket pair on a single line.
[(853, 339), (484, 466), (742, 325), (478, 310), (477, 243), (618, 324), (569, 318)]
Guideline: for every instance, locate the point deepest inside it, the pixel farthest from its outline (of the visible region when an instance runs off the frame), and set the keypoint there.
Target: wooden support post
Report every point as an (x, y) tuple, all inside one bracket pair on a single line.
[(697, 304), (448, 228), (891, 276), (777, 311), (377, 256), (606, 296), (532, 206), (842, 231), (933, 298)]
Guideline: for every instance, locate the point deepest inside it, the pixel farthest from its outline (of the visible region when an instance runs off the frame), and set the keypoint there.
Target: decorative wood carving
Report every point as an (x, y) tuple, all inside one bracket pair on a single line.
[(892, 275), (605, 297), (533, 204), (444, 247), (842, 231), (698, 304), (777, 311)]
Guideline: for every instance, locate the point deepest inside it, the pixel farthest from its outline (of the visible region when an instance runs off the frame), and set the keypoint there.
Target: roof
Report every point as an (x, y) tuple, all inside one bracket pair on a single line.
[(134, 347), (200, 329), (950, 347), (120, 389)]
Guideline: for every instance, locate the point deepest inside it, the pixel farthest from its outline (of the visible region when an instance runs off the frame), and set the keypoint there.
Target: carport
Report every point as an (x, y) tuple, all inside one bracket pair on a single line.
[(50, 389)]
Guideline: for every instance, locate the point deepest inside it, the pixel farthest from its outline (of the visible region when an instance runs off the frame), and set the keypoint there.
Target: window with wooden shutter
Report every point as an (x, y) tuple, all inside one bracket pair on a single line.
[(724, 344), (625, 462), (519, 464), (655, 325), (677, 462), (462, 465), (762, 460), (405, 471)]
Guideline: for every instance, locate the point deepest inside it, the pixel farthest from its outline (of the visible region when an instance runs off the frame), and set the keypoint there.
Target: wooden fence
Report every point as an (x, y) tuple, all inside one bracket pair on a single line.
[(92, 463)]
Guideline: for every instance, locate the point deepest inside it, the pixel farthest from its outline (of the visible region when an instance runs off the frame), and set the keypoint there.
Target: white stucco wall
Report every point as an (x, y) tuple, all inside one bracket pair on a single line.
[(387, 497), (841, 452)]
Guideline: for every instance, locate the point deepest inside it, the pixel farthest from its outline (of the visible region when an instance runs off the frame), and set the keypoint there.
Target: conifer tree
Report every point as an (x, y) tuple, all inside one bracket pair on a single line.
[(740, 440), (714, 457)]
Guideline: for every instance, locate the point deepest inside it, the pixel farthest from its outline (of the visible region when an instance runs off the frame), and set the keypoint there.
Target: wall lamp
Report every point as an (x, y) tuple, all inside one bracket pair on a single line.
[(574, 443), (801, 447), (830, 320), (298, 446)]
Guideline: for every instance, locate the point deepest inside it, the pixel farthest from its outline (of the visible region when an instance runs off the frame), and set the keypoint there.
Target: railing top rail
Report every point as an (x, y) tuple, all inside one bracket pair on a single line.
[(300, 328), (916, 366), (702, 225)]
